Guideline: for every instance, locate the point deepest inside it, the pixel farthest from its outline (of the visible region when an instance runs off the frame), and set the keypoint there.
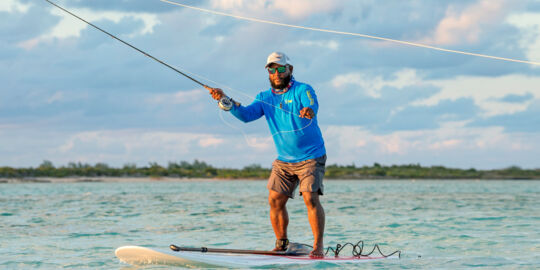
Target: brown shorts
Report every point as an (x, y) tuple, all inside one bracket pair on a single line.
[(286, 176)]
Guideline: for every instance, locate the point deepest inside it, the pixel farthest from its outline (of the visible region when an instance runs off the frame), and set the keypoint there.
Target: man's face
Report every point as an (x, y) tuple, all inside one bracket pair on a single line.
[(280, 80)]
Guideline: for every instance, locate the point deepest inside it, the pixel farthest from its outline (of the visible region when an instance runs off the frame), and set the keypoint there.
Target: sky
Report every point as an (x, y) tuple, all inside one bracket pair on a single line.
[(70, 93)]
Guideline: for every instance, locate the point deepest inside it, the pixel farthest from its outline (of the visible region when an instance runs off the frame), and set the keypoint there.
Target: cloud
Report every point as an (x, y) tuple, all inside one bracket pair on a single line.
[(81, 81), (208, 142), (304, 8), (467, 25), (23, 24), (330, 44), (445, 144), (69, 26), (119, 146), (405, 100), (523, 121), (487, 92), (385, 103), (430, 117), (126, 5), (180, 97), (453, 144), (13, 6), (372, 85), (513, 98), (29, 44), (529, 26), (297, 9), (57, 96)]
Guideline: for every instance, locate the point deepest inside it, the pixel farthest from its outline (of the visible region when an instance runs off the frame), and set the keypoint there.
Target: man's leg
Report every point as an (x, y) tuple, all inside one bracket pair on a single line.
[(278, 213), (316, 220)]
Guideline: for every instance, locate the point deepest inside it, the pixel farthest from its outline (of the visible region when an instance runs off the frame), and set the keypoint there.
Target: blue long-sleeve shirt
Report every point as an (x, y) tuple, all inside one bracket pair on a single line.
[(295, 138)]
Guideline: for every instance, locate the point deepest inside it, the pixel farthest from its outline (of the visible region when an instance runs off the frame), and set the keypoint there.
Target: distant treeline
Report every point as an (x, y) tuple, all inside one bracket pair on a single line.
[(200, 169)]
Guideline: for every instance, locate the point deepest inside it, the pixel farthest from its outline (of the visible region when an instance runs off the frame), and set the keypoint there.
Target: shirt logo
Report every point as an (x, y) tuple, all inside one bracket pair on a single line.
[(311, 101)]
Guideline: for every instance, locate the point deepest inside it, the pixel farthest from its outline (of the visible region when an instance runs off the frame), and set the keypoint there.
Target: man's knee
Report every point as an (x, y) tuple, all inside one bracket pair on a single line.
[(276, 199), (311, 199)]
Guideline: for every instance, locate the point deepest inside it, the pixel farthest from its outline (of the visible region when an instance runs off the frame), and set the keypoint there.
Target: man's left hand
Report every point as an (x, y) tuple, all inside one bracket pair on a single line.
[(307, 112)]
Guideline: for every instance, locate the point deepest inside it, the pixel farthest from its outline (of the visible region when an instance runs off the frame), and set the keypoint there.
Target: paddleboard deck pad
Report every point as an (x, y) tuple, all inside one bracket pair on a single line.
[(136, 255)]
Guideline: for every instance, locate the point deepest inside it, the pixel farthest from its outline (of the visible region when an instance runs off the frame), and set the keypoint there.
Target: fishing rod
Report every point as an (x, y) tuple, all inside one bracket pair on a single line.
[(225, 103)]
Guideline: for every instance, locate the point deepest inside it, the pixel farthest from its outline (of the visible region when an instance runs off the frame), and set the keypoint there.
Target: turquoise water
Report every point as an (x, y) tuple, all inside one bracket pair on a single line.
[(436, 224)]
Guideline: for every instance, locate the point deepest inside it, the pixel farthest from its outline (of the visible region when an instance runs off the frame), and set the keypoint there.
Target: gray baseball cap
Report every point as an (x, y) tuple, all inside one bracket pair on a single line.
[(278, 58)]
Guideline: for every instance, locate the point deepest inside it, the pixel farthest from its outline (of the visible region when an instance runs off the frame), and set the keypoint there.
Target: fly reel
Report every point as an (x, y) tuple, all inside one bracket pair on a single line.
[(225, 103)]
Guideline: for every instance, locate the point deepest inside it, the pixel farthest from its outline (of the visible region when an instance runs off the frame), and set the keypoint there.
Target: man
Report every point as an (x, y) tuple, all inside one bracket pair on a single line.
[(290, 108)]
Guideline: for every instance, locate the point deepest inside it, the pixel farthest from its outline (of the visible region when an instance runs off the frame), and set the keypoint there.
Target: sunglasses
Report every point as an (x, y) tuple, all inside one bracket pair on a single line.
[(279, 70)]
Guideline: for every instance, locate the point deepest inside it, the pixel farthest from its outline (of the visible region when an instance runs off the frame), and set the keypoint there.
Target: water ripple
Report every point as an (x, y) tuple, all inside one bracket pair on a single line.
[(437, 224)]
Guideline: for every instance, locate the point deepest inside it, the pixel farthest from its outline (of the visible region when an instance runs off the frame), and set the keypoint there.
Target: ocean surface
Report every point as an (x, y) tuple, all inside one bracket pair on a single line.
[(436, 224)]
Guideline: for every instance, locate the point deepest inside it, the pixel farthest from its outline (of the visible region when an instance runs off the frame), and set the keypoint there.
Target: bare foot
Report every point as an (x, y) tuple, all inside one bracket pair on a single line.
[(317, 253)]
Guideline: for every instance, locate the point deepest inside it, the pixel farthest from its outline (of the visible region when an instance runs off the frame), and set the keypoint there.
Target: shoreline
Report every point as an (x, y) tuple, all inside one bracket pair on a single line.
[(53, 180), (99, 179)]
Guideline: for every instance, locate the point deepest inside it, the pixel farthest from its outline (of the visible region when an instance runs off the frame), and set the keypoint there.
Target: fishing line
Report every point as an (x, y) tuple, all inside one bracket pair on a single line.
[(415, 44), (357, 250), (183, 73)]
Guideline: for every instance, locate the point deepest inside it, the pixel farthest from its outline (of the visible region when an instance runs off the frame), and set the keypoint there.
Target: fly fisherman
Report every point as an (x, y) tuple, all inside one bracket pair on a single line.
[(290, 108)]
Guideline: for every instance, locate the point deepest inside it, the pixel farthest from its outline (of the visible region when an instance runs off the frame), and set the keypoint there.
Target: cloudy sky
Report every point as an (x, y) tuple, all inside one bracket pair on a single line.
[(71, 93)]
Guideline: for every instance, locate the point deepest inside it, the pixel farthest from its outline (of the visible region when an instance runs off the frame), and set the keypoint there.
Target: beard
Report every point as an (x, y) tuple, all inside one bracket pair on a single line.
[(284, 82)]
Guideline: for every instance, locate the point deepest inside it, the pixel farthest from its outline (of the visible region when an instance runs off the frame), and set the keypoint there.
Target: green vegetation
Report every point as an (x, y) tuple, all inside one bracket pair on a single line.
[(415, 171), (200, 169)]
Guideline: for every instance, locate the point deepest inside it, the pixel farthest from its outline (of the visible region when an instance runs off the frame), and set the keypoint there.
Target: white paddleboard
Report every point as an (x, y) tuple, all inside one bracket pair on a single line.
[(136, 255)]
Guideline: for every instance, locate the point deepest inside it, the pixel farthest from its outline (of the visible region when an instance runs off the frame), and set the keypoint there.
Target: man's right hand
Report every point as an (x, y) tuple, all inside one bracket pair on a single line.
[(216, 93)]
